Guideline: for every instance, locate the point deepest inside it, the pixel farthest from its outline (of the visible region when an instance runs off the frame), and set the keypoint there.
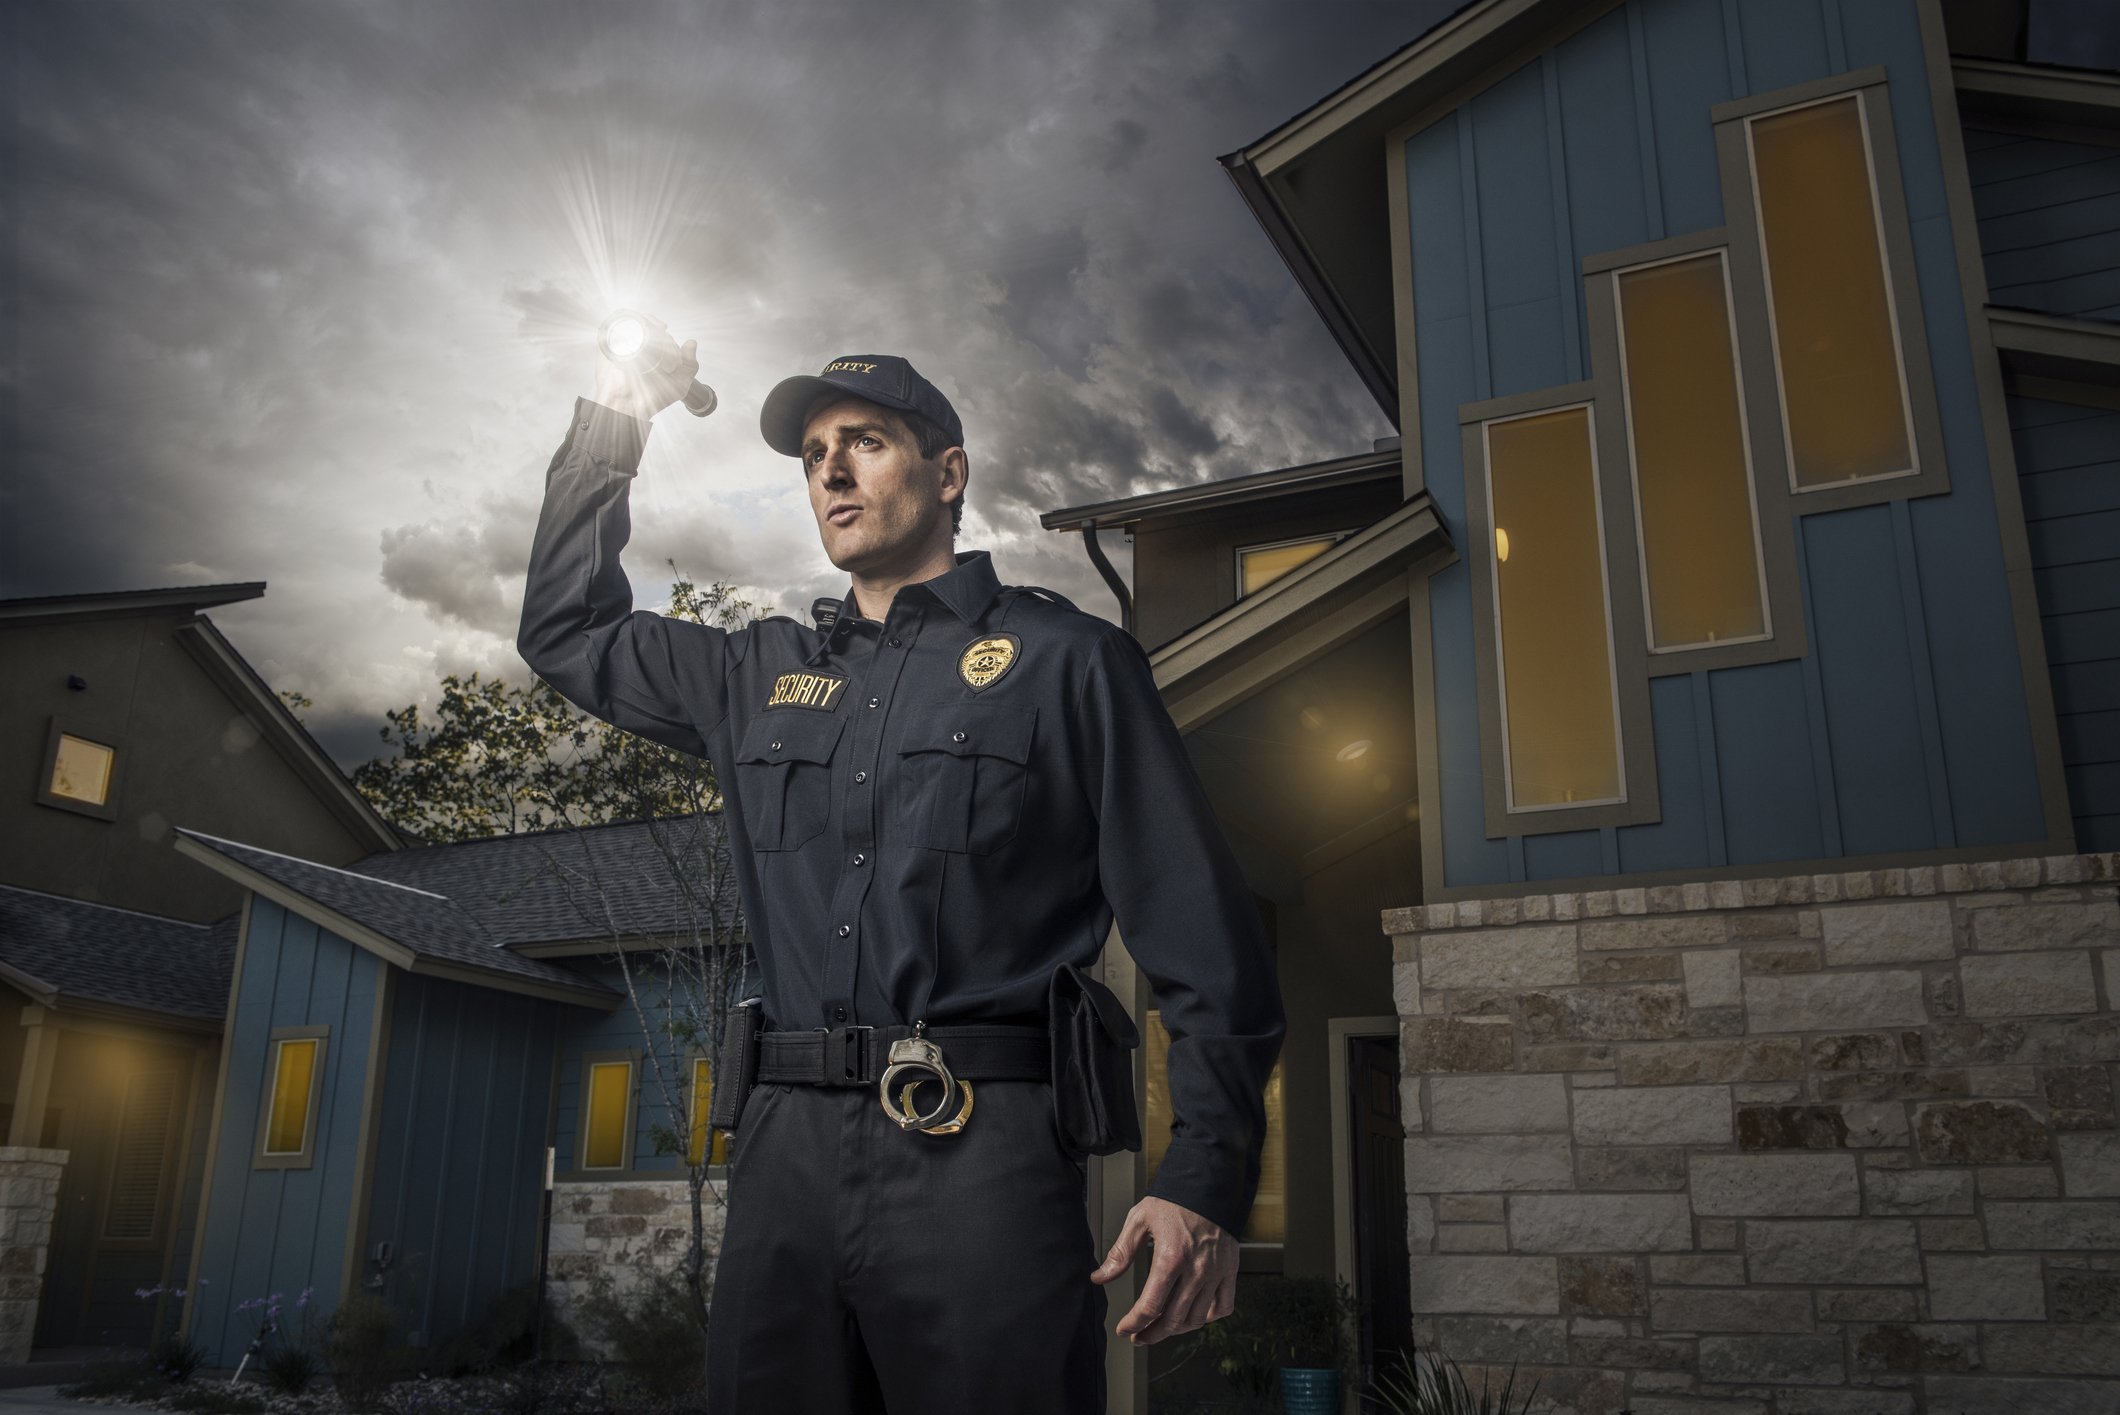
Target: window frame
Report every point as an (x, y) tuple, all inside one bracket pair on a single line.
[(589, 1061), (1237, 554), (1639, 801), (61, 727), (305, 1158), (1773, 510), (1732, 123)]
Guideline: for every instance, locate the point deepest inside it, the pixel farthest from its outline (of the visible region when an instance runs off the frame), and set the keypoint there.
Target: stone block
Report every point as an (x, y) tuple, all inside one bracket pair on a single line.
[(1795, 958), (1535, 1341), (1747, 927), (1841, 1252), (1698, 1269), (1887, 933), (639, 1199), (1855, 1051), (1632, 968), (1488, 1105), (1572, 1056), (615, 1226), (1600, 1223), (2031, 927), (1649, 1012), (1910, 1347), (1951, 1235), (1692, 1405), (2020, 1182), (1850, 1085), (1469, 1208), (2088, 1223), (1406, 989), (1979, 1132), (2028, 985), (2035, 1042), (1714, 1309), (1487, 1163), (2090, 1165), (1767, 1092), (1718, 1235), (1712, 978), (1772, 1360), (1605, 1286), (1715, 1022), (1834, 1002), (1661, 1115), (1843, 1402), (1986, 1289), (1791, 1127), (1989, 1395), (1632, 1353), (1918, 1191), (1501, 1286), (1875, 1125), (2078, 1097), (1652, 1167), (1434, 1044), (1522, 957), (2083, 1295), (1654, 931), (2054, 1350), (1471, 1238), (1679, 1063), (1865, 1304), (1775, 1185), (2002, 1081)]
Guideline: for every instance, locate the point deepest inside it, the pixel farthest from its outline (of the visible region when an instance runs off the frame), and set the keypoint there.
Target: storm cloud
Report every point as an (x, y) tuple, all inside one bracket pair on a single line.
[(304, 292)]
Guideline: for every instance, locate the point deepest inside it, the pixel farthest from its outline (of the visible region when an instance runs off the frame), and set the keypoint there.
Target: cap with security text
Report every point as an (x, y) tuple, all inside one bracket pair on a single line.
[(885, 379)]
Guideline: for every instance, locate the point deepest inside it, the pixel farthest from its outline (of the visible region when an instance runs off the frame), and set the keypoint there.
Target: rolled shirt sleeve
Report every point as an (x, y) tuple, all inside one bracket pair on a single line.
[(663, 678), (1188, 918)]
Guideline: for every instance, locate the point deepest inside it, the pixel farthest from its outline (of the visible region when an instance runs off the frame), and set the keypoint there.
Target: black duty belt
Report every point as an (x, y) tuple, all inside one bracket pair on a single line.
[(857, 1054)]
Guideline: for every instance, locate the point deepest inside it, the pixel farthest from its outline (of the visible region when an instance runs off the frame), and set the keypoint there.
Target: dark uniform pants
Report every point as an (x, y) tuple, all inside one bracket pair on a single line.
[(869, 1269)]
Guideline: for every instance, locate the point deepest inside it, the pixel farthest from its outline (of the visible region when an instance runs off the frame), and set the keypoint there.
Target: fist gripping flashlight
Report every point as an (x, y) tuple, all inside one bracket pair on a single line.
[(644, 344)]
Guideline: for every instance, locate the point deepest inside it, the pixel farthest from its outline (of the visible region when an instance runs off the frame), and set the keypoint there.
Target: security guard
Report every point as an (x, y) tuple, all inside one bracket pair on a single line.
[(945, 789)]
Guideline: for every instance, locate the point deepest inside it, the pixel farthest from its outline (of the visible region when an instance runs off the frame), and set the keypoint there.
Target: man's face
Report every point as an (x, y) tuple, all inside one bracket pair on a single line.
[(877, 501)]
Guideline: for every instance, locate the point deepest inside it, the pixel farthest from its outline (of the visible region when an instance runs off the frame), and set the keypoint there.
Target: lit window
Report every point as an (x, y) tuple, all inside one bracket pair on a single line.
[(1560, 715), (1692, 464), (81, 770), (287, 1114), (702, 1099), (1268, 1219), (146, 1118), (605, 1108), (1836, 349), (1260, 565)]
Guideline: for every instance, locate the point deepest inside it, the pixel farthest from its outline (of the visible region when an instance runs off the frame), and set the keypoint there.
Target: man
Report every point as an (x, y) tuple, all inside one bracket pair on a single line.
[(937, 796)]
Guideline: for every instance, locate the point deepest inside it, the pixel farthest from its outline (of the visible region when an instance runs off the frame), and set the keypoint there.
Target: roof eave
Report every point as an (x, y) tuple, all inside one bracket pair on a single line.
[(115, 603), (1215, 495)]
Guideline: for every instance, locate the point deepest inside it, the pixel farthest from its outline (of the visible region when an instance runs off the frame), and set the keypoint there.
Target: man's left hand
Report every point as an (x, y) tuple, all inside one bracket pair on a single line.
[(1192, 1278)]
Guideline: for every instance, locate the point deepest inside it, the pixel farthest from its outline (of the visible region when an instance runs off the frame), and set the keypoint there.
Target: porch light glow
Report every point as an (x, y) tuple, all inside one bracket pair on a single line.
[(1353, 749)]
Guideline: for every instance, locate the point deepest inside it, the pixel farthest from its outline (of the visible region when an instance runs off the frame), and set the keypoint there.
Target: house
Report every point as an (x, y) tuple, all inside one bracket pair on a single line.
[(125, 713), (1711, 693)]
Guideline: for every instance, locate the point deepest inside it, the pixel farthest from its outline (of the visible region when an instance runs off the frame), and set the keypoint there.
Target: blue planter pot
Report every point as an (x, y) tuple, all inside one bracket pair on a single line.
[(1309, 1390)]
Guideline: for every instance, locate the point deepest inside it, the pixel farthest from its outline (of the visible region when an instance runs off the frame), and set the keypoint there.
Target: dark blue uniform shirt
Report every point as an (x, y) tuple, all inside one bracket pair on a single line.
[(918, 835)]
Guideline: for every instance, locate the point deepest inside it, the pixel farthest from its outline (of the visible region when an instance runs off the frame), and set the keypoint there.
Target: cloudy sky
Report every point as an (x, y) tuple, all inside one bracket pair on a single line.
[(302, 291), (306, 290)]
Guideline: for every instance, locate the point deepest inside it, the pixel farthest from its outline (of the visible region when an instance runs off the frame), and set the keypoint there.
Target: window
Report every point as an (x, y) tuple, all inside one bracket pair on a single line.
[(1560, 712), (700, 1150), (1268, 1219), (607, 1112), (1260, 565), (294, 1076), (80, 771), (1704, 580)]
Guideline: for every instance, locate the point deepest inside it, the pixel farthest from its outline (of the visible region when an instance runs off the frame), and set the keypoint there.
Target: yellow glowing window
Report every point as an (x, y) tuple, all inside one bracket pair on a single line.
[(1260, 565), (1268, 1220), (702, 1098), (610, 1092), (81, 770), (1692, 473), (293, 1075), (1559, 713), (1835, 345)]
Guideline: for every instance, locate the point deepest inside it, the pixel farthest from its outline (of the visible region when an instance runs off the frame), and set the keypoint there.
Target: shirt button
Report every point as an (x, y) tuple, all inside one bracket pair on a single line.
[(861, 859), (954, 737), (845, 929), (585, 424), (776, 746), (894, 643), (839, 1014), (873, 702), (861, 776)]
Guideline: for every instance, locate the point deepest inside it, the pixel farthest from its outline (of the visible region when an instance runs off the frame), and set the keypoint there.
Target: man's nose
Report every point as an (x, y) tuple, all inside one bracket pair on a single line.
[(838, 467)]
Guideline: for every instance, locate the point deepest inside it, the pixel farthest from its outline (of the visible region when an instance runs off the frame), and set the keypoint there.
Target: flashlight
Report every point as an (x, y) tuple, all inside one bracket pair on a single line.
[(635, 339)]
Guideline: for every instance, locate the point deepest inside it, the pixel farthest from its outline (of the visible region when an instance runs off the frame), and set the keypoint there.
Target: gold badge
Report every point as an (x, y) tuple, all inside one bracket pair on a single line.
[(985, 660)]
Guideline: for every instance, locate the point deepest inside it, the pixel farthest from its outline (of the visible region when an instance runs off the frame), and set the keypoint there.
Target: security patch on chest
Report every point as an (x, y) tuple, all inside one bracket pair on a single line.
[(810, 690), (985, 660)]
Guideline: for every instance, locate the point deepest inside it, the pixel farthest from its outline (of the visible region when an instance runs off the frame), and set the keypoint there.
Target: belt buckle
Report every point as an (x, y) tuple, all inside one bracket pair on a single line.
[(917, 1053), (846, 1054)]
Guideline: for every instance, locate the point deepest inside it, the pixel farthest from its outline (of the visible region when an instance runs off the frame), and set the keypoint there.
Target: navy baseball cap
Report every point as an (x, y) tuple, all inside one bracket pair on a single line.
[(880, 378)]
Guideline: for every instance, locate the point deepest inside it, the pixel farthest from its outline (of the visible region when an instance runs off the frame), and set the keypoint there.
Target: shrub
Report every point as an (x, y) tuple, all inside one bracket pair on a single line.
[(1426, 1384), (358, 1350), (289, 1367), (174, 1359), (506, 1336), (650, 1330)]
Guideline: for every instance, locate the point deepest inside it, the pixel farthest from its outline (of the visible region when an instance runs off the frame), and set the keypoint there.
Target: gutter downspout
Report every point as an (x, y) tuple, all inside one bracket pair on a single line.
[(1111, 576)]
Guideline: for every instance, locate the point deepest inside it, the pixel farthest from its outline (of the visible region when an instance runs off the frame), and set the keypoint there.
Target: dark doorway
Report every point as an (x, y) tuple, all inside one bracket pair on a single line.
[(1379, 1161)]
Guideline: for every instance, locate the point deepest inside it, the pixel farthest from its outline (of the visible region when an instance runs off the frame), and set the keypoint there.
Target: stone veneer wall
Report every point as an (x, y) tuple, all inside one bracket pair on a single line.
[(621, 1229), (1809, 1145), (29, 1196)]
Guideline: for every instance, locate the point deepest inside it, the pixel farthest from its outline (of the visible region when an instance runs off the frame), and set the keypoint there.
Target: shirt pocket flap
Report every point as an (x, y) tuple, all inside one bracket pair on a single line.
[(791, 735), (971, 729)]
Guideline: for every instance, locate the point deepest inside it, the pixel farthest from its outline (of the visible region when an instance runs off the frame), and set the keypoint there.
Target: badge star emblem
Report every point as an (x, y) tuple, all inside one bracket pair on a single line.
[(985, 660)]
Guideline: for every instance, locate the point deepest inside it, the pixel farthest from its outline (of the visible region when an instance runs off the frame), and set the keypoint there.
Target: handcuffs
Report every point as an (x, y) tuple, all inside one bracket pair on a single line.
[(917, 1053)]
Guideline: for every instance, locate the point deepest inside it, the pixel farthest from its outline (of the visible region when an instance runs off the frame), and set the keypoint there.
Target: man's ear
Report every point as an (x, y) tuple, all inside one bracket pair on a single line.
[(956, 470)]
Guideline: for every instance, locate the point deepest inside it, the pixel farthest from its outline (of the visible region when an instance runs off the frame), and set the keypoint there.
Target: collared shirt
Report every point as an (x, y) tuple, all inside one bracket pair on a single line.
[(930, 813)]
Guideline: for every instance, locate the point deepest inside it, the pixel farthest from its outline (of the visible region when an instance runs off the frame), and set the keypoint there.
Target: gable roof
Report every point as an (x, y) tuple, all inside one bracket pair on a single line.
[(113, 604), (71, 953), (1379, 465)]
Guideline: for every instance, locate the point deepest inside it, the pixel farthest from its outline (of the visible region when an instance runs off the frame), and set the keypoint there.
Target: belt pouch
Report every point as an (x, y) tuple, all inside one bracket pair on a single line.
[(1093, 1064), (737, 1067)]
